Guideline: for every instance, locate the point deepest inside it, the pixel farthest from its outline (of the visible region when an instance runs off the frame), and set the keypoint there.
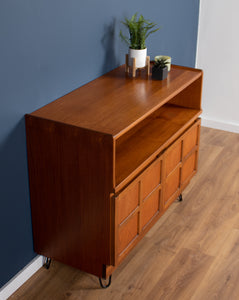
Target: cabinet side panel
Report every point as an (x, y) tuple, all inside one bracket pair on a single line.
[(191, 96), (71, 178)]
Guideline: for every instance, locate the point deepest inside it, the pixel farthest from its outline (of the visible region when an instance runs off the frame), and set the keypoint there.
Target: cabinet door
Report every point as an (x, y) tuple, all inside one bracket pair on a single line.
[(172, 170), (128, 232), (190, 146), (180, 163), (173, 157), (150, 179), (150, 208), (190, 140), (172, 186), (128, 201), (189, 168), (136, 206)]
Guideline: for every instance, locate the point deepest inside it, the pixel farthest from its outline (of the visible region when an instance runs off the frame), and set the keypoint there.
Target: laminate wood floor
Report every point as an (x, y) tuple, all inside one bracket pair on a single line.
[(191, 253)]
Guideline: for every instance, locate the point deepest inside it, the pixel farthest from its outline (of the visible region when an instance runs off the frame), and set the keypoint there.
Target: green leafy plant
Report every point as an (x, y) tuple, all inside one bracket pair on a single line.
[(160, 63), (139, 30)]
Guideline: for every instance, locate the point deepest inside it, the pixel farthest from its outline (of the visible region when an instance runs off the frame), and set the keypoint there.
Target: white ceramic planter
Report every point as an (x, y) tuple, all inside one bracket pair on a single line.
[(140, 55)]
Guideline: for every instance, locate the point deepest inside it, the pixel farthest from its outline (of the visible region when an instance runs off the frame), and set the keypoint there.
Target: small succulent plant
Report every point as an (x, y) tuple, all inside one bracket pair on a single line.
[(160, 63)]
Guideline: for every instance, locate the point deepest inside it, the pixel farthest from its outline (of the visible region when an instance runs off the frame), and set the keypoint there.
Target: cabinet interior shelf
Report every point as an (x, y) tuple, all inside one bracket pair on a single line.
[(149, 137)]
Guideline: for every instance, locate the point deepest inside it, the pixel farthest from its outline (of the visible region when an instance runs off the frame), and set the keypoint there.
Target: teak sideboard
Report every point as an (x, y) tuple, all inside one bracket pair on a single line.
[(105, 162)]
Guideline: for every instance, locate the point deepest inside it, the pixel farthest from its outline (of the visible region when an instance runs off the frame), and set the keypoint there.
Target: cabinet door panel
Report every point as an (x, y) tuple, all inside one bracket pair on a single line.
[(189, 167), (151, 178), (128, 201), (150, 207), (190, 140), (173, 157), (127, 233), (172, 185)]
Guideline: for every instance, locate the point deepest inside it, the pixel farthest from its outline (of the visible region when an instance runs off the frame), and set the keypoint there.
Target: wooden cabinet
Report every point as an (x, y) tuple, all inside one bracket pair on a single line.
[(105, 162)]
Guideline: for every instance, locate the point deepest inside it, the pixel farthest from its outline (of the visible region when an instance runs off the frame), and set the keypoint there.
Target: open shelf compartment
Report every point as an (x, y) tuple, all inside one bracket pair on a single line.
[(149, 137)]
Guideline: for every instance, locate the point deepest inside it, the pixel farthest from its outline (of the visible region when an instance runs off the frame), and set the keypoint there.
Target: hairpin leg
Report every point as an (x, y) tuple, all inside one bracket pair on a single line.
[(180, 198), (107, 285), (47, 263)]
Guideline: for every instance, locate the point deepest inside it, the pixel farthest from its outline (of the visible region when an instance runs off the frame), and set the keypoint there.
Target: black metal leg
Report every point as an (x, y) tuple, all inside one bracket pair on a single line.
[(47, 263), (107, 285), (180, 198)]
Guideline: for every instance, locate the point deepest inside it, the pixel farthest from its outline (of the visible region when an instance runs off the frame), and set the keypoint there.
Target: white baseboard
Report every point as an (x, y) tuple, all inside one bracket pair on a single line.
[(227, 126), (21, 277)]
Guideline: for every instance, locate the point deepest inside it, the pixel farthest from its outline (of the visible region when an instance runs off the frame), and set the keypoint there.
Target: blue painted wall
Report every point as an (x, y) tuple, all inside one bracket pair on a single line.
[(48, 48)]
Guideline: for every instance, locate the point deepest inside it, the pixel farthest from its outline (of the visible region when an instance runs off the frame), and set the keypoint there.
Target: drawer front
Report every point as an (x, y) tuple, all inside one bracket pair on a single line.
[(150, 208), (150, 178), (173, 157), (128, 201), (128, 231)]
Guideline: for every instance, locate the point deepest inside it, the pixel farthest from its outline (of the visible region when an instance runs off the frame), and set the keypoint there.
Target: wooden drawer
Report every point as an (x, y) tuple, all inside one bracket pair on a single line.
[(150, 178), (128, 231), (150, 208)]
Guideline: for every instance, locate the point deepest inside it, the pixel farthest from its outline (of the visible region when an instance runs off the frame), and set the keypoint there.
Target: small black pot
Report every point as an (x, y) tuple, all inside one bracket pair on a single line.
[(160, 74)]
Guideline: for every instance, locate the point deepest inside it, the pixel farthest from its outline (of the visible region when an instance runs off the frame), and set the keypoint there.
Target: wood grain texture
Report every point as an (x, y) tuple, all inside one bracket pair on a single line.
[(191, 96), (66, 227), (190, 253), (94, 105)]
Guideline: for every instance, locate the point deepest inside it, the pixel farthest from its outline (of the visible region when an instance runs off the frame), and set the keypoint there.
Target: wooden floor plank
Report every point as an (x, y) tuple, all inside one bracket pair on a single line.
[(221, 282), (181, 278), (190, 253)]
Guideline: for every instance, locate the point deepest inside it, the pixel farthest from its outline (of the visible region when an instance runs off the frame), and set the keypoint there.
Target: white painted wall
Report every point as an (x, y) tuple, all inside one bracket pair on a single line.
[(218, 56)]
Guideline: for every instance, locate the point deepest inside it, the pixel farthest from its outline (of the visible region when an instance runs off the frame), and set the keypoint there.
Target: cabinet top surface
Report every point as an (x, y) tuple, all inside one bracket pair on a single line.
[(115, 102)]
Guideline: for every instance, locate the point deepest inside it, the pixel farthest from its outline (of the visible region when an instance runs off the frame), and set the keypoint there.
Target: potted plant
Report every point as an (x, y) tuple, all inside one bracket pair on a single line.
[(160, 68), (139, 30)]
